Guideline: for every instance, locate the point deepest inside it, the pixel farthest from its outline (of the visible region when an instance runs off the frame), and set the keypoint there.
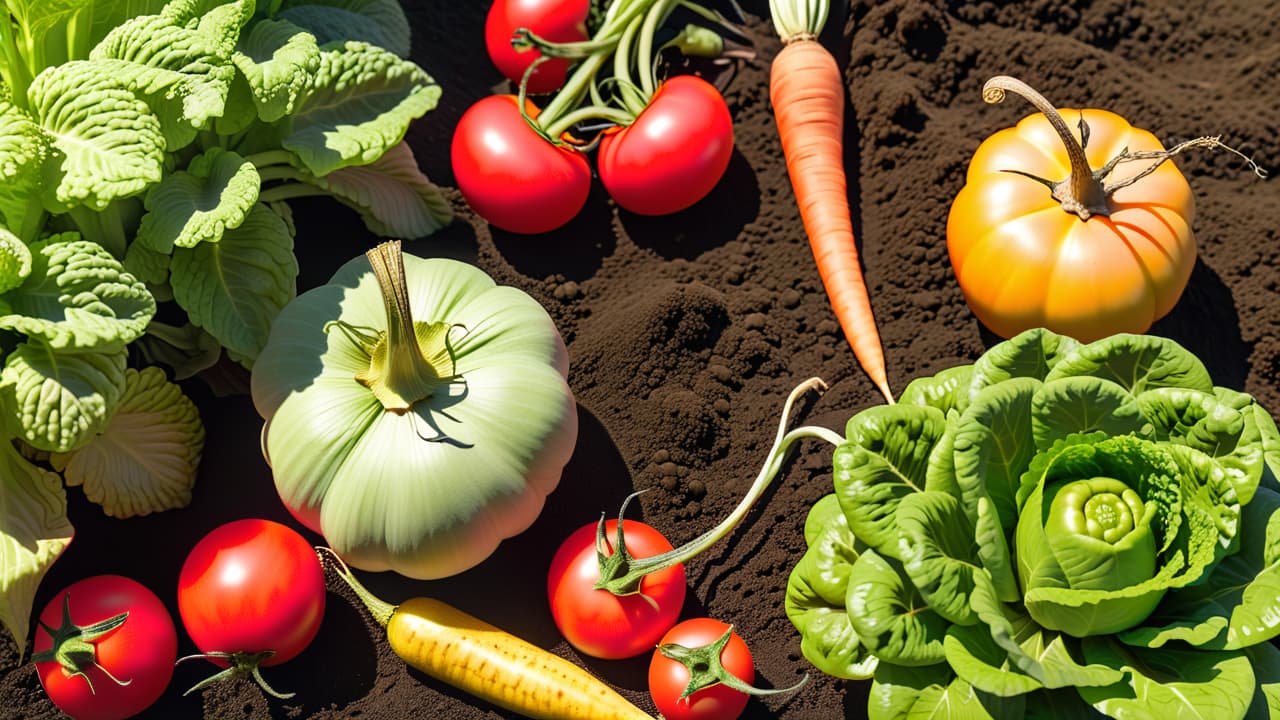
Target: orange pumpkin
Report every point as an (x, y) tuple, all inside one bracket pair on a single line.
[(1053, 232)]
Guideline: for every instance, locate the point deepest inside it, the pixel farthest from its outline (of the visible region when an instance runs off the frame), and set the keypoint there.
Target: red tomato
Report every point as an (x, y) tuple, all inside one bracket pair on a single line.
[(674, 153), (555, 20), (599, 623), (132, 662), (251, 586), (668, 678), (510, 175)]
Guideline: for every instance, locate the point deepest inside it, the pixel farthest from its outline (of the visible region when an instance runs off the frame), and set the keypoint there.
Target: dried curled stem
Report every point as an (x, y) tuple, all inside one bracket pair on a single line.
[(1160, 156)]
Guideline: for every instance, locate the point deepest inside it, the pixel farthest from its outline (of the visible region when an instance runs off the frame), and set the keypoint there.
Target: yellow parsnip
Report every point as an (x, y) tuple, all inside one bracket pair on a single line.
[(470, 654)]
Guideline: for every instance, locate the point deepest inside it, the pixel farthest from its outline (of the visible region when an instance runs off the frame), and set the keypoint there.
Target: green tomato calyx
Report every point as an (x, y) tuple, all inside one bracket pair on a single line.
[(238, 663), (706, 668), (409, 361), (74, 646)]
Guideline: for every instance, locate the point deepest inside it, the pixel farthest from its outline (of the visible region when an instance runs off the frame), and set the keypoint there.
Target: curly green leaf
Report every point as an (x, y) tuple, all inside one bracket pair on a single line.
[(34, 531)]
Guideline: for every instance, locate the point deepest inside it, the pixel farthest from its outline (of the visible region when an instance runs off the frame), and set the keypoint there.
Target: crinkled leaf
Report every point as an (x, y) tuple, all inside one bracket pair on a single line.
[(993, 446), (978, 660), (210, 15), (884, 460), (1171, 682), (1221, 425), (23, 147), (377, 22), (186, 350), (1270, 438), (1030, 354), (1059, 704), (184, 71), (145, 460), (1201, 624), (235, 288), (358, 107), (1266, 668), (890, 616), (214, 194), (994, 553), (149, 266), (277, 58), (60, 399), (1209, 500), (938, 553), (940, 474), (78, 297), (1031, 649), (816, 592), (1248, 583), (15, 260), (34, 531), (933, 693), (942, 390), (1073, 405), (1137, 363), (109, 144), (391, 194)]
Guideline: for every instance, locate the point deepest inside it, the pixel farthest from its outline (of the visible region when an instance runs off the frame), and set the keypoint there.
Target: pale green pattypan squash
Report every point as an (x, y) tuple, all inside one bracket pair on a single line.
[(417, 413)]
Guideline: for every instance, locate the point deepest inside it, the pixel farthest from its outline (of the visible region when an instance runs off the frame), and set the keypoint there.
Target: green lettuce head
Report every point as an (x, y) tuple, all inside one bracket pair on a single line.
[(1056, 530)]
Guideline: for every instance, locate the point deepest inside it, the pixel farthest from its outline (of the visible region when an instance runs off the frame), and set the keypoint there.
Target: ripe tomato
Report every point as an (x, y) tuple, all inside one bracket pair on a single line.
[(668, 677), (129, 661), (1023, 260), (511, 176), (674, 153), (554, 20), (252, 586), (599, 623)]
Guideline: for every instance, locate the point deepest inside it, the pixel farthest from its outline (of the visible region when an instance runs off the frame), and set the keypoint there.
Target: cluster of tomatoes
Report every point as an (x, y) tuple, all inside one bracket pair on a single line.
[(522, 172), (251, 594), (605, 625)]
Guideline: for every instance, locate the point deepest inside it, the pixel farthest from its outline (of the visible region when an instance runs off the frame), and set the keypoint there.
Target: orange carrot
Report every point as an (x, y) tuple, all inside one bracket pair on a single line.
[(807, 92)]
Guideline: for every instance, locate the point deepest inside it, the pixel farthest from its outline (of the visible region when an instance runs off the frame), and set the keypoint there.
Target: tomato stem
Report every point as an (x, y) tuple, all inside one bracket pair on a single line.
[(523, 39), (706, 668), (627, 34), (645, 62), (74, 646), (238, 663), (622, 574), (632, 97)]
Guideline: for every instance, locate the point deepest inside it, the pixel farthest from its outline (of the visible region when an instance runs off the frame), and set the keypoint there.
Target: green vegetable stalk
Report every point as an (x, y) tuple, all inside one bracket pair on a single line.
[(1056, 530)]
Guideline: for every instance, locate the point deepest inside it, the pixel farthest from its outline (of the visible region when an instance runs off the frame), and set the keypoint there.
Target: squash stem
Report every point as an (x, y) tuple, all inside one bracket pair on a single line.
[(621, 574), (399, 374), (380, 610), (1081, 193)]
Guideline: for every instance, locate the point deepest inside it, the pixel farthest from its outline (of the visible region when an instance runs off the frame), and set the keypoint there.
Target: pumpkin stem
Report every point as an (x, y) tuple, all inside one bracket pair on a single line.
[(1082, 192), (410, 360)]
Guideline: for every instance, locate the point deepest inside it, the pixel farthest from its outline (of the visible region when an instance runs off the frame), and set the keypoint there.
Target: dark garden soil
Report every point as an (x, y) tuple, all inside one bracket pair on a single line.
[(687, 332)]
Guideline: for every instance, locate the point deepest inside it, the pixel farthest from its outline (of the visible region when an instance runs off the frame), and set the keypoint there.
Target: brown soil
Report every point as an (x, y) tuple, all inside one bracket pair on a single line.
[(687, 332)]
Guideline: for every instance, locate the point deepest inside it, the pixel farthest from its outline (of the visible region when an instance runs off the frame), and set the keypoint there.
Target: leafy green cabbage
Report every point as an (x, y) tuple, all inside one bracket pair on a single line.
[(148, 149), (1055, 530)]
